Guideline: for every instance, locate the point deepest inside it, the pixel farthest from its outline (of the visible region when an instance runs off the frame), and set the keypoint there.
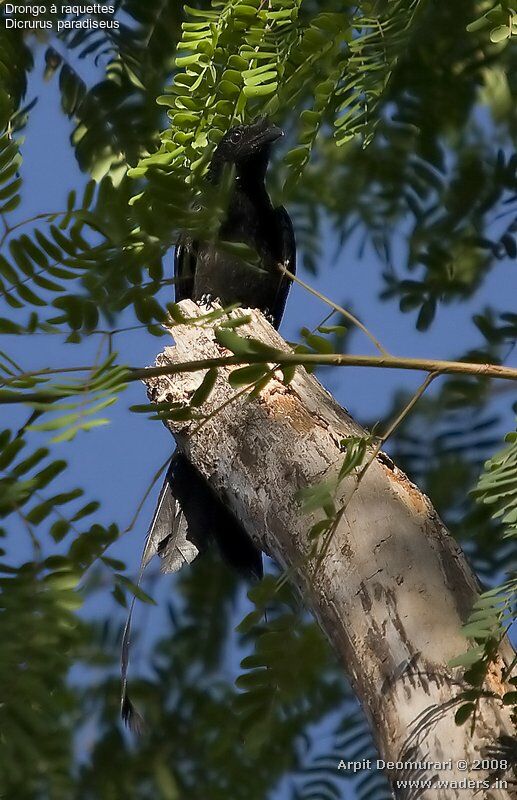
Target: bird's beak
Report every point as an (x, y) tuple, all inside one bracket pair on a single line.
[(267, 133), (272, 133)]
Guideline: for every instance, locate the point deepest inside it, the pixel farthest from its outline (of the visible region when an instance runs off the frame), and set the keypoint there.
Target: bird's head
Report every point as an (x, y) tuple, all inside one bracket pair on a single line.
[(247, 147)]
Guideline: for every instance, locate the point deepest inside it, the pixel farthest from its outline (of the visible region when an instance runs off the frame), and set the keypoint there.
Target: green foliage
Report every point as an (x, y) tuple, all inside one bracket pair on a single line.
[(494, 613), (373, 54), (188, 679), (85, 398), (431, 169), (41, 632), (242, 58), (445, 242), (498, 485), (281, 675), (500, 19), (15, 61), (10, 161), (281, 684), (352, 56), (324, 495), (20, 483), (37, 704), (85, 263), (136, 59)]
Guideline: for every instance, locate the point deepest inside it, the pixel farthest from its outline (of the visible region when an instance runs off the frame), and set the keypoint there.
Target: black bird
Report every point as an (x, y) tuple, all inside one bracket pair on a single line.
[(188, 513), (205, 269)]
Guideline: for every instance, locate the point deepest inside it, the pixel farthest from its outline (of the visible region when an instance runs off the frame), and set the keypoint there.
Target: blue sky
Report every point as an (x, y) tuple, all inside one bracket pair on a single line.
[(115, 463)]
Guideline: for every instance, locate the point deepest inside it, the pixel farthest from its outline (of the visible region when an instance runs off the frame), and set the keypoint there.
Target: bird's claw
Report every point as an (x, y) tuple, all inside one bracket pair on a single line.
[(208, 300), (269, 316)]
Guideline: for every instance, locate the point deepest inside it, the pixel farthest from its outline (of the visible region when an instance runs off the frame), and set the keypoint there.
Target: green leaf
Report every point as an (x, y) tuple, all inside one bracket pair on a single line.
[(87, 510), (319, 343), (427, 314), (317, 496), (232, 341), (11, 204), (11, 189), (500, 33), (62, 580), (203, 392), (466, 659), (119, 596), (244, 376), (9, 452), (288, 372), (113, 563), (27, 464), (464, 712), (249, 621), (243, 10), (298, 155), (59, 529), (135, 590), (8, 326), (355, 454), (319, 528), (46, 475), (261, 90), (39, 513)]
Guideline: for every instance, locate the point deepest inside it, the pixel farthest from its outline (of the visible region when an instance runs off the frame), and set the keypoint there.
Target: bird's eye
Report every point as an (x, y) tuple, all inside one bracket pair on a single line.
[(235, 136)]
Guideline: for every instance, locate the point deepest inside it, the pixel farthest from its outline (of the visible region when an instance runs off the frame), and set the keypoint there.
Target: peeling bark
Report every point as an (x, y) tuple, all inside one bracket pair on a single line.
[(394, 587)]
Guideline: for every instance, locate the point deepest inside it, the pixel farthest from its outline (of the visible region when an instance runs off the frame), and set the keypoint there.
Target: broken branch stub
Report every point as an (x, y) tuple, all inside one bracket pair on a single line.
[(393, 588)]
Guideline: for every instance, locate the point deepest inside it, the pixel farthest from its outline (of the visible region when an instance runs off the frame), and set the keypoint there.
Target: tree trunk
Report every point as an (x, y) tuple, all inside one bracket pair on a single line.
[(394, 587)]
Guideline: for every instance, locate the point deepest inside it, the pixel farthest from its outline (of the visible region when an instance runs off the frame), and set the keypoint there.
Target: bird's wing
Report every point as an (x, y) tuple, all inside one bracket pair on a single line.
[(176, 548), (169, 535), (287, 242), (185, 258)]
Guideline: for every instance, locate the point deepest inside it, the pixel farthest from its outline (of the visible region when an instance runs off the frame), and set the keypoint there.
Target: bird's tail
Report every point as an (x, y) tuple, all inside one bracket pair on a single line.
[(188, 515), (170, 537), (175, 538)]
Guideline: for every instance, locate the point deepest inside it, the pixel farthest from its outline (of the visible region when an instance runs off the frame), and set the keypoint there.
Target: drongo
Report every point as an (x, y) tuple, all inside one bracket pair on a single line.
[(188, 513)]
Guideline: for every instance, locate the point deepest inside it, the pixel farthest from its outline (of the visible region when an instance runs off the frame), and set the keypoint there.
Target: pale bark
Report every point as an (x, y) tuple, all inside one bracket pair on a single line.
[(394, 587)]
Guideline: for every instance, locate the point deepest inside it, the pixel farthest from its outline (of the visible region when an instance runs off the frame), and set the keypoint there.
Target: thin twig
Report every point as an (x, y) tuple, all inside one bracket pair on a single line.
[(347, 314), (44, 215), (439, 366), (36, 546), (429, 365)]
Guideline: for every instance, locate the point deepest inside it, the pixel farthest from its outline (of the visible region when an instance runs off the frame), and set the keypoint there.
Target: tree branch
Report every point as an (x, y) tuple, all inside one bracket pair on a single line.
[(343, 311), (393, 589), (439, 367), (282, 358)]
